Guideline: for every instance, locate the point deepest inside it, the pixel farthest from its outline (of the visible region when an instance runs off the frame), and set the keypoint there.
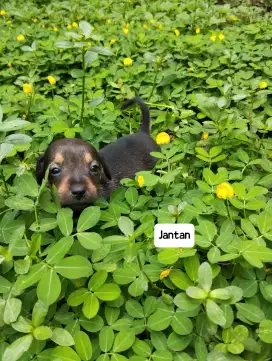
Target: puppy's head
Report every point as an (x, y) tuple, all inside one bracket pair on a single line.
[(76, 169)]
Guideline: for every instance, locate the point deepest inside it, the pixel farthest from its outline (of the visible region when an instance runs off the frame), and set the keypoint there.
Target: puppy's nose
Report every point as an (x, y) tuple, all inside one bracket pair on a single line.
[(78, 191)]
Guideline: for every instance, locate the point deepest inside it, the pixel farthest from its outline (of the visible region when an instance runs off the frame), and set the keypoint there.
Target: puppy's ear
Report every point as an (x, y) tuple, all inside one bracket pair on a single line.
[(106, 171), (40, 171)]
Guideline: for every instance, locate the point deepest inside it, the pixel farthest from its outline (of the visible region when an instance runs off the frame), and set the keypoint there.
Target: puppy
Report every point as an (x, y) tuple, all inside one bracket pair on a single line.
[(82, 175)]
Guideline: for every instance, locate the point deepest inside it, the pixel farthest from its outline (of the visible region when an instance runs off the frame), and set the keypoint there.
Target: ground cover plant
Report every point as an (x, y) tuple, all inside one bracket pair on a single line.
[(94, 287)]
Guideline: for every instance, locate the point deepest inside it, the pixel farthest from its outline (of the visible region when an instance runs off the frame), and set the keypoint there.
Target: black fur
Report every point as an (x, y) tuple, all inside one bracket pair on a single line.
[(122, 159)]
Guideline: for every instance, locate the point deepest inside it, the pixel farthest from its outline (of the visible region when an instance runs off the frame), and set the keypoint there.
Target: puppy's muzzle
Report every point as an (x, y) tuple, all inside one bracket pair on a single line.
[(78, 191)]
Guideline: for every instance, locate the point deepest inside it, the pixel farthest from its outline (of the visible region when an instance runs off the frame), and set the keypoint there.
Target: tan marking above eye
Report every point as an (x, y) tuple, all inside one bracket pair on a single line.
[(91, 187), (88, 157), (63, 186), (59, 158)]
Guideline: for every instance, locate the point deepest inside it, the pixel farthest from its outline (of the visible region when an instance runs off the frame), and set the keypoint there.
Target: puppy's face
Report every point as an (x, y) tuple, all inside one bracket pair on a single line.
[(76, 169)]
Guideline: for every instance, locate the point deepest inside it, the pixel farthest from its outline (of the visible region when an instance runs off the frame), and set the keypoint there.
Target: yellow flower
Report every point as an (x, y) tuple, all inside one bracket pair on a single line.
[(205, 136), (69, 27), (224, 191), (109, 21), (197, 30), (233, 18), (159, 26), (128, 61), (177, 32), (140, 181), (55, 29), (9, 64), (112, 41), (163, 138), (20, 37), (126, 26), (191, 69), (35, 20), (213, 37), (164, 273), (263, 84), (74, 25), (51, 80), (125, 30), (3, 12), (27, 88), (221, 36), (145, 26)]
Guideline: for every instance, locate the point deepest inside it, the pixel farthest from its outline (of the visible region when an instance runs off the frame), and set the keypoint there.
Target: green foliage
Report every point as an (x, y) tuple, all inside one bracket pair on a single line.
[(94, 287)]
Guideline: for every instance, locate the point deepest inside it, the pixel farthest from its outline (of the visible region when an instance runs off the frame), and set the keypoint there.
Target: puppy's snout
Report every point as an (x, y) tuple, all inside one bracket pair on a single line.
[(78, 191)]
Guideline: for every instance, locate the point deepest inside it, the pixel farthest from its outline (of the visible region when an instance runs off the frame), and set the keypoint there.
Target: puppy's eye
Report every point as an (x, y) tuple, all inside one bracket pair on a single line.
[(94, 168), (55, 171)]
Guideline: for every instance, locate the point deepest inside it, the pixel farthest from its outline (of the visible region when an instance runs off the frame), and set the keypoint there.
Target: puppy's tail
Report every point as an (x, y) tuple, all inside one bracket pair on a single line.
[(145, 125)]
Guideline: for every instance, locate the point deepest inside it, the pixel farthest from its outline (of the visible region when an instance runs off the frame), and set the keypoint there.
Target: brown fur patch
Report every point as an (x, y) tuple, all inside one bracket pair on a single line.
[(59, 158), (63, 187), (88, 157), (91, 188)]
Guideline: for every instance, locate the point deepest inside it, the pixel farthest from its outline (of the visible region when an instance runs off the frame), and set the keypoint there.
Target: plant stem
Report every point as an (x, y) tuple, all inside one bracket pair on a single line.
[(4, 182), (154, 82), (83, 89)]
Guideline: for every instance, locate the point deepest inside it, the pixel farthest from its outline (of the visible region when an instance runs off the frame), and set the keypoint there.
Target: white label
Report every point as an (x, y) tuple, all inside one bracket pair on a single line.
[(174, 235)]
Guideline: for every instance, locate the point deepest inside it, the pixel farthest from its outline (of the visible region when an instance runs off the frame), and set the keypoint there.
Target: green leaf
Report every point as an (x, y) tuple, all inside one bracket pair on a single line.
[(64, 44), (162, 355), (134, 309), (265, 331), (123, 341), (221, 294), (12, 310), (13, 125), (114, 240), (62, 337), (185, 302), (181, 325), (42, 333), (89, 240), (201, 349), (215, 313), (178, 343), (141, 348), (90, 306), (19, 203), (77, 297), (108, 292), (97, 280), (14, 351), (196, 293), (4, 285), (159, 320), (65, 221), (22, 325), (27, 185), (49, 287), (88, 218), (126, 226), (251, 312), (83, 345), (235, 348), (180, 279), (102, 51), (191, 265), (131, 196), (248, 228), (64, 354), (89, 58), (106, 337), (44, 225), (86, 28), (256, 192), (5, 149), (168, 256), (207, 229), (74, 267), (39, 313), (59, 250), (205, 276)]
